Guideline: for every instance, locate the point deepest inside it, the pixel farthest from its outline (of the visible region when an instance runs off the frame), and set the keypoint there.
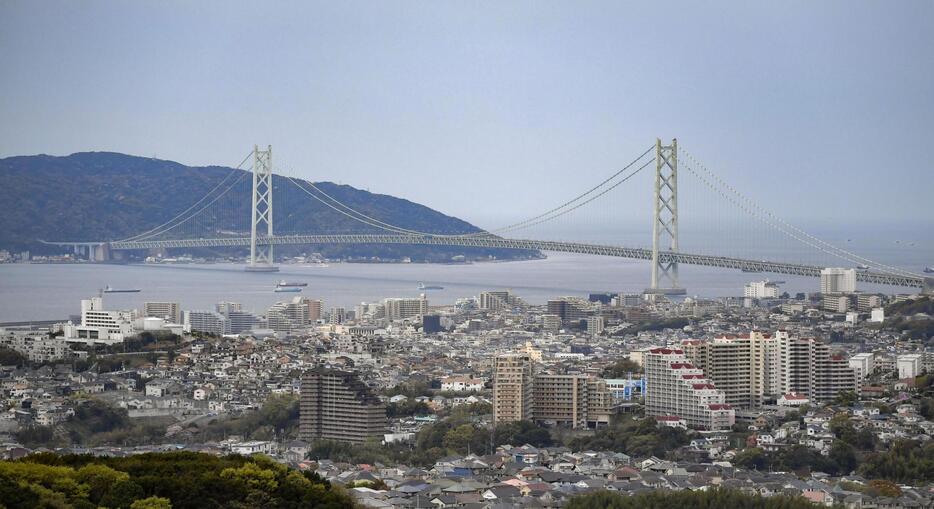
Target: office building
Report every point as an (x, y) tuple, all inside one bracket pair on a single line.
[(603, 298), (570, 308), (241, 321), (628, 299), (169, 311), (761, 290), (400, 309), (676, 388), (336, 405), (431, 324), (313, 309), (837, 280), (512, 387)]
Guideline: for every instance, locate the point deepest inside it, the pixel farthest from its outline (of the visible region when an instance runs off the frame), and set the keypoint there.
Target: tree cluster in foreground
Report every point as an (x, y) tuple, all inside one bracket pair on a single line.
[(161, 480), (686, 500)]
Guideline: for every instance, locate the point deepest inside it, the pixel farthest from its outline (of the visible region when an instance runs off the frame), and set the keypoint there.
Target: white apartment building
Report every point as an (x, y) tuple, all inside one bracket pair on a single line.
[(337, 316), (595, 325), (208, 322), (399, 309), (675, 387), (836, 303), (36, 347), (761, 290), (575, 401), (292, 315), (99, 326), (909, 365), (169, 311), (551, 322), (225, 307), (837, 280), (866, 302), (864, 364), (811, 369), (744, 367), (461, 384)]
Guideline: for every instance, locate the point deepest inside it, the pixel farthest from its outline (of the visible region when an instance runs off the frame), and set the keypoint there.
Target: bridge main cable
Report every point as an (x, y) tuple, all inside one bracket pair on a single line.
[(532, 221), (158, 230)]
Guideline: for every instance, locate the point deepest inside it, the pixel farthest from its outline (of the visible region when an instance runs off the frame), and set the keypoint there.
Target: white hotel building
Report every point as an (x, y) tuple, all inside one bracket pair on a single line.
[(99, 326), (675, 387)]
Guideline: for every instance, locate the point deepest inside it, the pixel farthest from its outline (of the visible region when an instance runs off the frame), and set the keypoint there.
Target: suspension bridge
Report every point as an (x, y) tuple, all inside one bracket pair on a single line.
[(202, 225)]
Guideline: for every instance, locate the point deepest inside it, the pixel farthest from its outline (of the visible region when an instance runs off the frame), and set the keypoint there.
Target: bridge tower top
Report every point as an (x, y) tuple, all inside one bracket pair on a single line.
[(665, 221)]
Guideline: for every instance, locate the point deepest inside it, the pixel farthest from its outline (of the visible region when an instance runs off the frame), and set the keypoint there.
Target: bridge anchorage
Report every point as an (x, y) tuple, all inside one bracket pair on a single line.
[(665, 255)]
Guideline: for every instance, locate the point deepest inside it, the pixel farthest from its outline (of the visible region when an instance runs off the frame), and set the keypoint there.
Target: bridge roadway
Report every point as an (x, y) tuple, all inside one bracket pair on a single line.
[(491, 241)]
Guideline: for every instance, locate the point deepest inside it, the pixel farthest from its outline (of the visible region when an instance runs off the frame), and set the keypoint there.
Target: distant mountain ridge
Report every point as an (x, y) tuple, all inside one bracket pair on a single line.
[(89, 196)]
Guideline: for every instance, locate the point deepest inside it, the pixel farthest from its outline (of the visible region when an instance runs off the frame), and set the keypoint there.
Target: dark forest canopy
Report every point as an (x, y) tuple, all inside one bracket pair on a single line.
[(177, 480)]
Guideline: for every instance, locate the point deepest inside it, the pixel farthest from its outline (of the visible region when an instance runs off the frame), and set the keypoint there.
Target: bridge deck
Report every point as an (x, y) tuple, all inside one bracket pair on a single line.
[(490, 241)]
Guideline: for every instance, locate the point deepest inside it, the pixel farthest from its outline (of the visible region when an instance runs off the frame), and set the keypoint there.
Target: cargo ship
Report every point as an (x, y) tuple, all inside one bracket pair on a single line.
[(110, 289), (287, 289), (284, 284)]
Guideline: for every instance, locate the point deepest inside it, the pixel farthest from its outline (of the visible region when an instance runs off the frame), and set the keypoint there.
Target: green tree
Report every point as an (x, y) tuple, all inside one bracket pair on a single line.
[(713, 498), (751, 459), (122, 495), (621, 369), (99, 479), (10, 357), (152, 503), (457, 439)]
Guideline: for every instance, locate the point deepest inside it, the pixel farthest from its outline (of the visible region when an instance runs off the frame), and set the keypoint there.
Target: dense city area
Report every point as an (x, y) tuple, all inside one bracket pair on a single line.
[(495, 402)]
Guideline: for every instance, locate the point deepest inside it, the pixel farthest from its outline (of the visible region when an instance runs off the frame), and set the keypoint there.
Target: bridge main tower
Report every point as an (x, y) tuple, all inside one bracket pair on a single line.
[(665, 221), (261, 259)]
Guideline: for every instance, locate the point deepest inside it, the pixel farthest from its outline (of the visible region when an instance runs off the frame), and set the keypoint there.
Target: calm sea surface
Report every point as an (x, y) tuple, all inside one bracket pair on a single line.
[(46, 292)]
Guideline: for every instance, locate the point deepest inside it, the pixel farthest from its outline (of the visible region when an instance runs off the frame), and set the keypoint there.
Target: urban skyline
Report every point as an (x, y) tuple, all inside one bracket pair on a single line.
[(474, 255)]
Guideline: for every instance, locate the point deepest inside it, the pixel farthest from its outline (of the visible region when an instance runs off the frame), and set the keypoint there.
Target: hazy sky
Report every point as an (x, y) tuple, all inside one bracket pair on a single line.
[(490, 110)]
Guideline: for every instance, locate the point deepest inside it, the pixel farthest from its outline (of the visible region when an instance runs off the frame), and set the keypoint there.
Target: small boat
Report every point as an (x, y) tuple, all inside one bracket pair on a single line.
[(110, 289), (287, 289), (928, 270), (422, 286), (285, 283)]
